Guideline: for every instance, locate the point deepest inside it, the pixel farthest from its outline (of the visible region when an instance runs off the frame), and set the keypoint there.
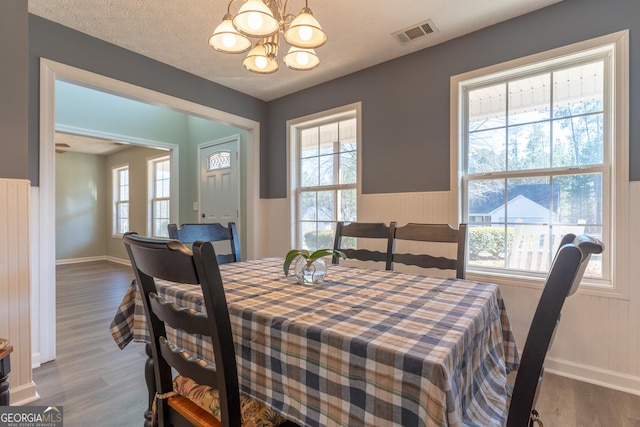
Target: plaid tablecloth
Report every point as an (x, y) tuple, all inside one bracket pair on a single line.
[(366, 348)]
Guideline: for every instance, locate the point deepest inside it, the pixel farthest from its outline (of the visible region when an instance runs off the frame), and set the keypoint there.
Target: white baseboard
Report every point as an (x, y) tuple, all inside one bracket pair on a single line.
[(24, 394), (590, 374), (119, 260), (93, 258), (80, 260)]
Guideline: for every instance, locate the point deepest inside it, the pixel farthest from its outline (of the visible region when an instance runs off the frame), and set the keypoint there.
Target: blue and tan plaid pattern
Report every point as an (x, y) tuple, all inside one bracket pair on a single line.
[(366, 348)]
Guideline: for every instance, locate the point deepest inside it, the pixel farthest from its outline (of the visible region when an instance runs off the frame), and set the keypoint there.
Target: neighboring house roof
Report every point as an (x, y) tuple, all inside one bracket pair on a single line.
[(521, 204), (493, 201)]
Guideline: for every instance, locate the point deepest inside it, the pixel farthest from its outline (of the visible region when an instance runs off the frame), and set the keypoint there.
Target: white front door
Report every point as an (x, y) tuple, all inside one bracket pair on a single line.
[(220, 182)]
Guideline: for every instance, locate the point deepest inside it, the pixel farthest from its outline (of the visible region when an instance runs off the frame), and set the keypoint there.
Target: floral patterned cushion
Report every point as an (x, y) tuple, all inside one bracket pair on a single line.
[(254, 414)]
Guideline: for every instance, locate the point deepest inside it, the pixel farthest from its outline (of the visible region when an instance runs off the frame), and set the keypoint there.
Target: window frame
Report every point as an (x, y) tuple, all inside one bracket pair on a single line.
[(294, 127), (616, 161), (115, 198), (152, 174)]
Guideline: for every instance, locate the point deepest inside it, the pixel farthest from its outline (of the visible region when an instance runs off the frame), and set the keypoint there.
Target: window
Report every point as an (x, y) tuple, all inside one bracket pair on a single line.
[(120, 200), (325, 167), (541, 154), (159, 195)]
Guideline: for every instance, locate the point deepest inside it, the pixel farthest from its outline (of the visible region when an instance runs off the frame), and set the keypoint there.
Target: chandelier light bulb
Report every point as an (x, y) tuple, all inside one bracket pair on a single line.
[(305, 33), (302, 58), (261, 62), (254, 20), (261, 59), (228, 40)]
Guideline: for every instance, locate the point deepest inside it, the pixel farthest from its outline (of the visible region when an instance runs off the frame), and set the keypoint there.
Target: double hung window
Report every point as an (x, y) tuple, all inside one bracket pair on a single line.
[(160, 195), (120, 200), (537, 160), (326, 171)]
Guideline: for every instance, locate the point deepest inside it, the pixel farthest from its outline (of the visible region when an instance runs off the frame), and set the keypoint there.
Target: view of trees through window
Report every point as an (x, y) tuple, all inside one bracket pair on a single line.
[(327, 181), (535, 165)]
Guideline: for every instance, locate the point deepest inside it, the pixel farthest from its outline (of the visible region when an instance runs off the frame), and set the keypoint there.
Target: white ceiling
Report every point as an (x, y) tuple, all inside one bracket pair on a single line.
[(175, 32), (88, 145)]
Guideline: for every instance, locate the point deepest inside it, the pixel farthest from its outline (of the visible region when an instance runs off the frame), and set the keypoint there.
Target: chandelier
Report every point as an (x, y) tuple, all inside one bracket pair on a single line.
[(265, 20)]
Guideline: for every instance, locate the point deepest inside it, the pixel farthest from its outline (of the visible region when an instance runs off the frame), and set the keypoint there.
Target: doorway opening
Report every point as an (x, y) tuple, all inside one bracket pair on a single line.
[(43, 197)]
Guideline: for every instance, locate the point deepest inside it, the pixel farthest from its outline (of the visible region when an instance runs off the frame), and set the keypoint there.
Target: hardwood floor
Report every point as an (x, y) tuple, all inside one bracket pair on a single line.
[(100, 385), (95, 382)]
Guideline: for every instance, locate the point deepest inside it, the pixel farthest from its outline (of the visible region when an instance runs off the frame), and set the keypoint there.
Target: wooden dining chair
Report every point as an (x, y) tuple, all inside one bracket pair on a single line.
[(201, 394), (362, 230), (563, 280), (214, 232), (443, 236)]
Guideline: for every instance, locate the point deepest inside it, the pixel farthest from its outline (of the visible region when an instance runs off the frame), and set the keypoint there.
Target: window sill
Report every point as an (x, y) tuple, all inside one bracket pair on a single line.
[(587, 287)]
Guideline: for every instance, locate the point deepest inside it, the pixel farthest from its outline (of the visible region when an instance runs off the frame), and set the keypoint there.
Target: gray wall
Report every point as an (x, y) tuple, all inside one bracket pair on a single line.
[(14, 89), (62, 44), (81, 205), (405, 102)]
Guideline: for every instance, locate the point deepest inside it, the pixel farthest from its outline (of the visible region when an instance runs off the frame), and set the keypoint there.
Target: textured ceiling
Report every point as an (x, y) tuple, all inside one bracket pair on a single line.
[(175, 32), (87, 145)]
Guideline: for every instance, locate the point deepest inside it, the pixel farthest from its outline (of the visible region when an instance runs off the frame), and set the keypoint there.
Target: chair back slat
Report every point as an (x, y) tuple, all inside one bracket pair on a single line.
[(210, 232), (178, 317), (188, 366), (437, 234), (170, 260), (564, 277), (426, 261), (363, 230)]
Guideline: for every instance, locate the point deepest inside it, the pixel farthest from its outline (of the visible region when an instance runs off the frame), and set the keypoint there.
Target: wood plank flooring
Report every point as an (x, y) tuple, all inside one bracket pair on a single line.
[(100, 385), (96, 383)]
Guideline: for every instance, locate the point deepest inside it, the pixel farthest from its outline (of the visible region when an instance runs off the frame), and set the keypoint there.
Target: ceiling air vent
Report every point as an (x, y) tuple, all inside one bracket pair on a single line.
[(415, 32)]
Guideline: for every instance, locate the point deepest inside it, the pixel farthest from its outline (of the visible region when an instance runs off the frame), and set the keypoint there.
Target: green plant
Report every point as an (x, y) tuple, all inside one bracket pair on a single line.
[(489, 241), (309, 257), (319, 239)]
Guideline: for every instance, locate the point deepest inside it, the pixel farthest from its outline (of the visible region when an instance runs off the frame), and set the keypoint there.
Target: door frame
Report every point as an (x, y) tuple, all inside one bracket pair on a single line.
[(207, 144), (43, 268)]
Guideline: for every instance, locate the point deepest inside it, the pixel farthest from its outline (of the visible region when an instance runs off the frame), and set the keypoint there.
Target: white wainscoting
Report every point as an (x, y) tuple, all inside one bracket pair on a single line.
[(598, 340), (275, 239), (15, 284)]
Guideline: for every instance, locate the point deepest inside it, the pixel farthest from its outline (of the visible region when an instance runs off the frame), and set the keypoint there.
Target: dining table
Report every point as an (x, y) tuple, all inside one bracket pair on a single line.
[(364, 348)]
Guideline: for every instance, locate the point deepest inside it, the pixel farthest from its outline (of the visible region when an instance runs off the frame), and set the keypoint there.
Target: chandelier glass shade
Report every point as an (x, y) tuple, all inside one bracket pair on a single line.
[(265, 20)]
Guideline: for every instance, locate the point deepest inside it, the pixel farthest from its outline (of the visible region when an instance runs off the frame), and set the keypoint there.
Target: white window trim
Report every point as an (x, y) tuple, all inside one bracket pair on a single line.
[(115, 196), (619, 250), (151, 161), (293, 126)]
